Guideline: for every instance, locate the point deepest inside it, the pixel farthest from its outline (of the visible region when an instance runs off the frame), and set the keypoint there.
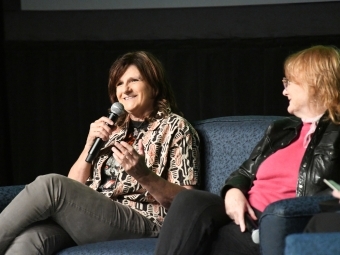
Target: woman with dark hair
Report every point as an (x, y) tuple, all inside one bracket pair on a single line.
[(150, 154), (292, 159), (153, 73)]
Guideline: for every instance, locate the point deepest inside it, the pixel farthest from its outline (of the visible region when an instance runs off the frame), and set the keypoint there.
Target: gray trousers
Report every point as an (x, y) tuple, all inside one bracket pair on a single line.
[(55, 212)]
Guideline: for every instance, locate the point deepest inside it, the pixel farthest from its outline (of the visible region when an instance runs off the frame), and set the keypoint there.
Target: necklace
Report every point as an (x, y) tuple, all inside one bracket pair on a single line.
[(138, 126)]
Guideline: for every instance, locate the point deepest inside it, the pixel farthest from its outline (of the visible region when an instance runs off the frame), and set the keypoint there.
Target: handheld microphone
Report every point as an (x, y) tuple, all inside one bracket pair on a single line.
[(117, 109), (253, 228)]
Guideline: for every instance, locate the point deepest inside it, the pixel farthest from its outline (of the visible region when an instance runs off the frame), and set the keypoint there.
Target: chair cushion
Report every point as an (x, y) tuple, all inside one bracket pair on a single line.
[(144, 246), (7, 193), (307, 244)]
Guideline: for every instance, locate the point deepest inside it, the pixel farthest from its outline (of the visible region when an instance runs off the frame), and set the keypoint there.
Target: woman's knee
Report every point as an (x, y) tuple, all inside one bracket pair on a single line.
[(49, 184), (50, 180), (195, 199), (47, 178)]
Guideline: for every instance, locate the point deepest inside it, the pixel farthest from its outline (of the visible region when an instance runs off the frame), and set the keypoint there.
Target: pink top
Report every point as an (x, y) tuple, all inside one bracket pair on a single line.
[(277, 176)]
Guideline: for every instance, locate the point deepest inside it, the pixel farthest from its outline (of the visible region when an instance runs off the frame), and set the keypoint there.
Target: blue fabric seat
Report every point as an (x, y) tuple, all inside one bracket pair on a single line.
[(283, 218), (319, 243), (226, 143), (121, 247)]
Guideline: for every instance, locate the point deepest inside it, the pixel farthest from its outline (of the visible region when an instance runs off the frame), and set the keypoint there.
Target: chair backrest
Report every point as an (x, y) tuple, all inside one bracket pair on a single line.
[(225, 143)]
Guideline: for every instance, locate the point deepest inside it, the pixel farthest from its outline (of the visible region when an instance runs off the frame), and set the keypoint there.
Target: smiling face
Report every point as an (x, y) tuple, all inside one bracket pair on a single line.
[(135, 94), (298, 98), (301, 103)]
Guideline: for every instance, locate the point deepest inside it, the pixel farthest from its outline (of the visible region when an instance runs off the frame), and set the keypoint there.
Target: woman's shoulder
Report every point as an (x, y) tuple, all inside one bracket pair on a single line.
[(290, 122), (179, 120), (175, 122), (177, 117), (173, 118)]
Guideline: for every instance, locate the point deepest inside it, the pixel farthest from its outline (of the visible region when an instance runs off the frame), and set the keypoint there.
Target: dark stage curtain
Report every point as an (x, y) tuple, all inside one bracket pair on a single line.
[(54, 90), (5, 157)]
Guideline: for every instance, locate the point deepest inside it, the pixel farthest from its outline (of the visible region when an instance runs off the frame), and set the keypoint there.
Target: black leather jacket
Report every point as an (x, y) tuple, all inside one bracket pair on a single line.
[(321, 159)]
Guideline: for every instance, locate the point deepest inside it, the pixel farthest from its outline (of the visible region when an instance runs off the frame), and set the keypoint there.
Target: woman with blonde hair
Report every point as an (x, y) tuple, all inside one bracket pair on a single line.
[(291, 160)]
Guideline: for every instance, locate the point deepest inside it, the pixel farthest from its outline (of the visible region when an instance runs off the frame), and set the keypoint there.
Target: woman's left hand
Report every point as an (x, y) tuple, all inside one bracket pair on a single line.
[(134, 164), (132, 161)]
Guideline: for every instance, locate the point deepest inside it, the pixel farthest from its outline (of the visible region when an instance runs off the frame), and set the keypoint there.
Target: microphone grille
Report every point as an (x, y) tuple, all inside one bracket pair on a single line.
[(255, 236), (117, 108)]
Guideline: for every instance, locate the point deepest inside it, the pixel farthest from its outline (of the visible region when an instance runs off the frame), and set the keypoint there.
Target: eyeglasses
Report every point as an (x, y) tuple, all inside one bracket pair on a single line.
[(285, 82)]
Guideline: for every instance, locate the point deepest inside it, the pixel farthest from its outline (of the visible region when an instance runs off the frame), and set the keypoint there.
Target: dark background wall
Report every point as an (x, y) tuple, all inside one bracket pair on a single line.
[(221, 61)]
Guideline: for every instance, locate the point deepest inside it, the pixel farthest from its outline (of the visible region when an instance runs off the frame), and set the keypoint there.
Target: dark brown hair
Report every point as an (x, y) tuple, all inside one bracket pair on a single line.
[(152, 71)]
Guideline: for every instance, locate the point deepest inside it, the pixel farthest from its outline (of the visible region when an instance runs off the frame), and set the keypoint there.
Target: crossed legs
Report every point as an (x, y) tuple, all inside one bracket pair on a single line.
[(78, 214)]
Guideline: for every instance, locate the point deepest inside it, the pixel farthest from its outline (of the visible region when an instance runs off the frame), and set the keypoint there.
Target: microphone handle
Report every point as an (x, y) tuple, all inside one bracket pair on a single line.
[(98, 143)]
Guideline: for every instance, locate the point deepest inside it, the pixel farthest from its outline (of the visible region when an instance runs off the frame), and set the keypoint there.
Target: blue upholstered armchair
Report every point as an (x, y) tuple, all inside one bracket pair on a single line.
[(226, 143), (284, 219)]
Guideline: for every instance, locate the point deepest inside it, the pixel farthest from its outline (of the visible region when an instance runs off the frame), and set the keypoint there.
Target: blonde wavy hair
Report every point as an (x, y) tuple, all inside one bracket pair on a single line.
[(319, 67)]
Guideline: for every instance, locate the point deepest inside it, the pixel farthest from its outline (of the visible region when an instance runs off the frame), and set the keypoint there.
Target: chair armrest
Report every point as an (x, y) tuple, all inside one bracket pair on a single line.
[(286, 217), (318, 243), (7, 193)]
